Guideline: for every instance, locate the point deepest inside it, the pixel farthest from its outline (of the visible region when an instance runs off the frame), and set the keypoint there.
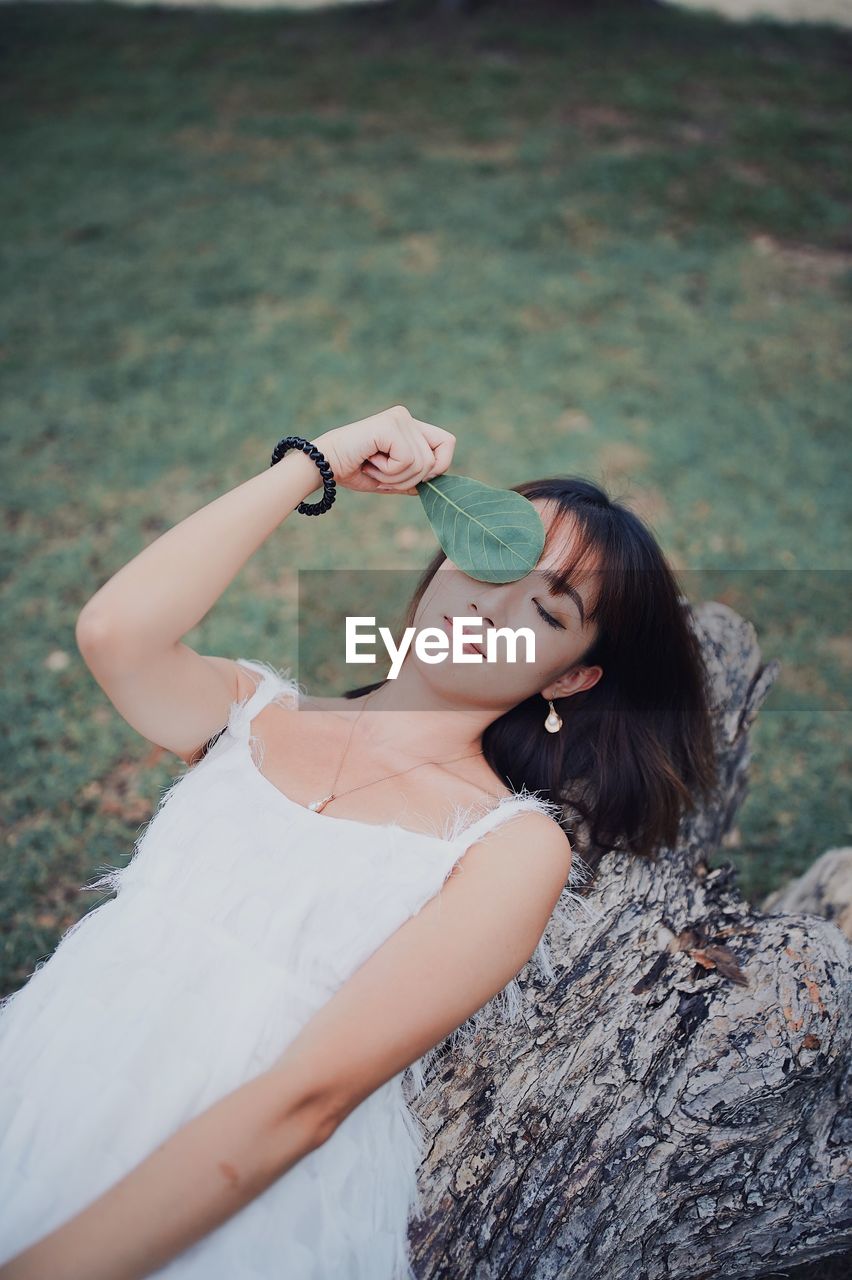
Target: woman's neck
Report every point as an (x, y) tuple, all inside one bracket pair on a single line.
[(409, 717)]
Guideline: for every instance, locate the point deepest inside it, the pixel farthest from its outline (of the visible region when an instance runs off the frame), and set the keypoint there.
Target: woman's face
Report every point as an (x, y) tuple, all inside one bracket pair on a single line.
[(561, 637)]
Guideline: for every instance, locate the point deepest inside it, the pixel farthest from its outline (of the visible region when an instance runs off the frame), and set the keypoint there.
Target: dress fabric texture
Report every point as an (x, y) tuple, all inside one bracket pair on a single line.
[(238, 915)]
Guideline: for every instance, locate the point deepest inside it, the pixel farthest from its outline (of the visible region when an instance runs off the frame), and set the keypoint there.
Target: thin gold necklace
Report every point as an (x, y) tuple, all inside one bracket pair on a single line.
[(318, 805)]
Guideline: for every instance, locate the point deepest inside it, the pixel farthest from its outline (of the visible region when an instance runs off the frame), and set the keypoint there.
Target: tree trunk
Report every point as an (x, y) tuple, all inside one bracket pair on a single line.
[(825, 889), (676, 1103)]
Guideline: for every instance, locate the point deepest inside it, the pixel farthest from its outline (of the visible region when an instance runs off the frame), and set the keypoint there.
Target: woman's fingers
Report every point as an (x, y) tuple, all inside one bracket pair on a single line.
[(416, 462), (383, 474), (388, 465), (427, 439), (400, 452), (442, 457), (441, 446), (373, 472)]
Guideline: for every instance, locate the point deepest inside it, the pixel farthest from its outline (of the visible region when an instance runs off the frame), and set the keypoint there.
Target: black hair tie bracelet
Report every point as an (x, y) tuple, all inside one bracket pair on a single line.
[(299, 442)]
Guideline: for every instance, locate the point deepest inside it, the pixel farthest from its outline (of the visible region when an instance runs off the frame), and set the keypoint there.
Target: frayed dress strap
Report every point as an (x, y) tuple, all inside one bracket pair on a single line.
[(271, 684), (507, 807)]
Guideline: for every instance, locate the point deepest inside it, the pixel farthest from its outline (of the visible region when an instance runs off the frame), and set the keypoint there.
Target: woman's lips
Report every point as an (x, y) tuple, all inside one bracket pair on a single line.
[(468, 646)]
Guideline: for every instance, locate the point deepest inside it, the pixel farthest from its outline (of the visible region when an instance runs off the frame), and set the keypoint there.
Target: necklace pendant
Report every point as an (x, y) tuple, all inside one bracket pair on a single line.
[(318, 805)]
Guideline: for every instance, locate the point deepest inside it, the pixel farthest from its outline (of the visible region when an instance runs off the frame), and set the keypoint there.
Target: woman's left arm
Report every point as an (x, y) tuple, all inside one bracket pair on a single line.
[(197, 1179)]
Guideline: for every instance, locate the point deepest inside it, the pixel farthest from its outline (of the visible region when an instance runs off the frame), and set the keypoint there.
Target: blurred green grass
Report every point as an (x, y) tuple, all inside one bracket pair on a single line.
[(611, 243)]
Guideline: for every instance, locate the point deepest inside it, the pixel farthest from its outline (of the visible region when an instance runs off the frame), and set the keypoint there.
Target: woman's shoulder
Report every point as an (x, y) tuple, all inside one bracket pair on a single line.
[(542, 817)]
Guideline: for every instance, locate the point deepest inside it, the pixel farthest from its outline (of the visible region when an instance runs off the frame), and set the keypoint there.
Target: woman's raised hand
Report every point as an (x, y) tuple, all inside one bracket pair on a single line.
[(390, 452)]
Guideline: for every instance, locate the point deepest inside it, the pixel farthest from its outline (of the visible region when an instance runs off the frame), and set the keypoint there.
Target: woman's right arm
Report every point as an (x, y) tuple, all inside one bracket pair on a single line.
[(130, 631)]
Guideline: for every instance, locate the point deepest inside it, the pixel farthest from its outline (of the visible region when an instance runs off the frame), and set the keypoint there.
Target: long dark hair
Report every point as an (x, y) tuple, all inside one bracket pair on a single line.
[(636, 749)]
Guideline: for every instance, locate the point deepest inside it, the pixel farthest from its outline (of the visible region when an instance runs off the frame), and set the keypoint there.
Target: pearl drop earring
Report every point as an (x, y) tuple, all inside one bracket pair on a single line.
[(553, 723)]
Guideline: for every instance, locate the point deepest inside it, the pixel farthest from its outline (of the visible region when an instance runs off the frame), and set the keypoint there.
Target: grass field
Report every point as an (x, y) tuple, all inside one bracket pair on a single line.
[(615, 244)]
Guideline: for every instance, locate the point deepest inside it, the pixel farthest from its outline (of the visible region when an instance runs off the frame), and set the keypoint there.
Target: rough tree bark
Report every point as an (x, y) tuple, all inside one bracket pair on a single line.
[(825, 889), (677, 1102)]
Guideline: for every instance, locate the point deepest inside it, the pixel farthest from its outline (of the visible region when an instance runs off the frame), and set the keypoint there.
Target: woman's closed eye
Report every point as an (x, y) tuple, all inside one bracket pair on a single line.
[(548, 619)]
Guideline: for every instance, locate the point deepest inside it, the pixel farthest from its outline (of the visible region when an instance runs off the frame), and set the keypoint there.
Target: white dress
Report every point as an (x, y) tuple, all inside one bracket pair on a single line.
[(239, 914)]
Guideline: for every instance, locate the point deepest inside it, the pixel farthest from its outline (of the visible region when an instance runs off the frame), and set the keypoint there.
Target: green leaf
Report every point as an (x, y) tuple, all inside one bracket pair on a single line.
[(493, 535)]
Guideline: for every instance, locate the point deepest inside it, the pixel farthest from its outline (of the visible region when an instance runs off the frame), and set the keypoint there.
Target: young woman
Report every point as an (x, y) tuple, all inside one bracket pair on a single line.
[(205, 1080)]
